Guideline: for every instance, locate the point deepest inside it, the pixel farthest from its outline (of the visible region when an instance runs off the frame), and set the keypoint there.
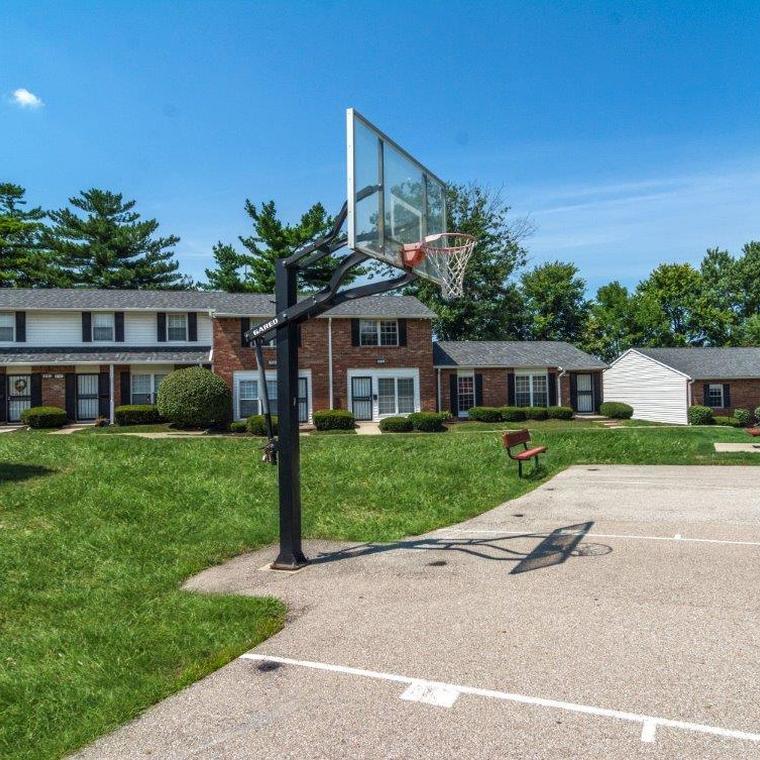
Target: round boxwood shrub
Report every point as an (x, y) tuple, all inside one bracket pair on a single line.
[(727, 421), (512, 413), (616, 410), (396, 425), (743, 417), (484, 414), (536, 412), (195, 397), (239, 426), (559, 413), (44, 417), (429, 422), (256, 424), (700, 415), (137, 414), (334, 419)]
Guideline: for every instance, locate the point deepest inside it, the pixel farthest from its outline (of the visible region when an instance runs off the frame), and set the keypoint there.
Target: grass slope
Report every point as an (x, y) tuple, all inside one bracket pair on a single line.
[(98, 532)]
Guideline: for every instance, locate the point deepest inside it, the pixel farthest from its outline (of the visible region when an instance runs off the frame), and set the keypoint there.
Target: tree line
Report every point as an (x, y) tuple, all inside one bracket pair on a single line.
[(101, 241)]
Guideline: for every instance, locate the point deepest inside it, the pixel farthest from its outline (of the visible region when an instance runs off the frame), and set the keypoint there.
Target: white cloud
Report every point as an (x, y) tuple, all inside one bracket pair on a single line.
[(25, 99)]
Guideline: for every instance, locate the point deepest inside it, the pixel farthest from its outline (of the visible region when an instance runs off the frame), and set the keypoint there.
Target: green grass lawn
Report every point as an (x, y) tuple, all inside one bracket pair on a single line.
[(98, 532)]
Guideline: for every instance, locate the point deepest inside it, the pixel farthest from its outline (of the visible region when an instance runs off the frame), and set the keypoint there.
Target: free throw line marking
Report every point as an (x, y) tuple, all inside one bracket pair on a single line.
[(422, 687)]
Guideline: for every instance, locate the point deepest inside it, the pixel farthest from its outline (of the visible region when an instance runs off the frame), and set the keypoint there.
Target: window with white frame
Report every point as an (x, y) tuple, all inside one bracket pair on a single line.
[(395, 395), (531, 389), (378, 332), (176, 327), (102, 325), (249, 402), (465, 393), (145, 387), (715, 396), (7, 326)]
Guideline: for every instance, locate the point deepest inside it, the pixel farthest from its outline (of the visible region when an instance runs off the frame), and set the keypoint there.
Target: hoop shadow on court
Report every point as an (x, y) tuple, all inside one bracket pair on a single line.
[(554, 548)]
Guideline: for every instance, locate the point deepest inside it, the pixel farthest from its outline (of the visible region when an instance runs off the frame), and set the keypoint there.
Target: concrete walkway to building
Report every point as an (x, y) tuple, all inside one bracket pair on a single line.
[(610, 613)]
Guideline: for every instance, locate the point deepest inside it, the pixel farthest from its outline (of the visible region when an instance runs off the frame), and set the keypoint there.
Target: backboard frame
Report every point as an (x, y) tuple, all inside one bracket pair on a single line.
[(392, 257)]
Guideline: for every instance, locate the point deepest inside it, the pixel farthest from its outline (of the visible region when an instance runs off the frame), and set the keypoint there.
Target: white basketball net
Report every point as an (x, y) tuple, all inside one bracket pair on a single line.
[(447, 255)]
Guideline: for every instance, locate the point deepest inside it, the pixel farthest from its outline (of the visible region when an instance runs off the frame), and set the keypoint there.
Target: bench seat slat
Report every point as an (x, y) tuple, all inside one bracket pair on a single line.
[(530, 453)]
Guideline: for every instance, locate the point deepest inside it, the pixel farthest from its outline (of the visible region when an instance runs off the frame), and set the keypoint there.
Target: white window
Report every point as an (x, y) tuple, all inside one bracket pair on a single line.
[(465, 394), (7, 326), (715, 396), (145, 387), (249, 402), (395, 395), (102, 325), (176, 327), (378, 332), (531, 389)]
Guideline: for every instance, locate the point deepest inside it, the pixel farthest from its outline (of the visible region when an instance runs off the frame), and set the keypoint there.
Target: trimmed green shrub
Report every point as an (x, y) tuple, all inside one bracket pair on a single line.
[(396, 425), (137, 414), (512, 413), (429, 422), (44, 417), (485, 414), (700, 415), (333, 419), (726, 421), (239, 426), (256, 424), (757, 415), (195, 397), (559, 413), (616, 410), (743, 417), (536, 412)]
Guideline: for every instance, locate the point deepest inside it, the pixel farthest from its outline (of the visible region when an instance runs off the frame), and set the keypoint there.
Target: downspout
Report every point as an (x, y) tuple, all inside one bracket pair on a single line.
[(438, 389), (329, 362), (560, 375), (111, 405), (689, 397)]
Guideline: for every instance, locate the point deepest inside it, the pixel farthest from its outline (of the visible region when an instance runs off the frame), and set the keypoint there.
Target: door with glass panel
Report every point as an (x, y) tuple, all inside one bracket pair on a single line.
[(87, 397), (395, 395), (465, 394), (19, 395), (584, 394), (361, 397)]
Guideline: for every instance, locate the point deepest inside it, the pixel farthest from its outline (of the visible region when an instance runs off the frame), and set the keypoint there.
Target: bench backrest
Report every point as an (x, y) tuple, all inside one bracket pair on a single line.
[(515, 438)]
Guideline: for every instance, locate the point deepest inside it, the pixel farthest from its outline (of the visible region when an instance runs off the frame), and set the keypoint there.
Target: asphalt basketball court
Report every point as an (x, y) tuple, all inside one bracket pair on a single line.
[(612, 612)]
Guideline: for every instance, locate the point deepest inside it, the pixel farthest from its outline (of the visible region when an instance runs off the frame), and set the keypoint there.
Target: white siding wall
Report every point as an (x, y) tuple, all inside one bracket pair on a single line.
[(655, 392), (64, 328)]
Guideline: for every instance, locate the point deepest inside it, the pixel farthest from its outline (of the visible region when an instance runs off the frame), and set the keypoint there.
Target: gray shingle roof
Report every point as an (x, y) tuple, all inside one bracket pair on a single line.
[(513, 353), (709, 363), (105, 355), (243, 304)]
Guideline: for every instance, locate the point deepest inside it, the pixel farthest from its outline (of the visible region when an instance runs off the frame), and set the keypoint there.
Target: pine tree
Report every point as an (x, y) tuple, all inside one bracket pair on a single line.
[(102, 243), (226, 276), (24, 262)]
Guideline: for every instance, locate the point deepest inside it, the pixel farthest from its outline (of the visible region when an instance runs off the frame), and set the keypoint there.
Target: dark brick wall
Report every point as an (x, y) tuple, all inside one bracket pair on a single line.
[(745, 394)]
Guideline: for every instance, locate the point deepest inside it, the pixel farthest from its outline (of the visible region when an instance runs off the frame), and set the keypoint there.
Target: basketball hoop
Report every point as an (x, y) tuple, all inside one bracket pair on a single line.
[(445, 256)]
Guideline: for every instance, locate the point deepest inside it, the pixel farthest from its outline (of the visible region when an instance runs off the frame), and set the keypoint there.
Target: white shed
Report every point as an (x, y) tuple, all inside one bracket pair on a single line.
[(656, 391)]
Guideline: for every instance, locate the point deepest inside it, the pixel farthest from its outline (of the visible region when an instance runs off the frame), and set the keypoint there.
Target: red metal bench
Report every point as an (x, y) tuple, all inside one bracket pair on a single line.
[(512, 439)]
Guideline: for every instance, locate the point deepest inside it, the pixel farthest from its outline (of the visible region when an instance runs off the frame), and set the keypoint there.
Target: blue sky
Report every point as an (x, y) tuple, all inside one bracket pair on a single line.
[(629, 132)]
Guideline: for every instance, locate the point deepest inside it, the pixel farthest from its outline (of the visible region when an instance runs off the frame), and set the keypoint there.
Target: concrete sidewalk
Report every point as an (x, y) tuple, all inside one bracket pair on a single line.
[(611, 613)]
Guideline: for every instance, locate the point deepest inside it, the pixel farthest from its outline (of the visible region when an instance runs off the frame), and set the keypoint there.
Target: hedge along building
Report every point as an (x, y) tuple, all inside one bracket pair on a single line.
[(661, 383), (516, 373), (88, 351)]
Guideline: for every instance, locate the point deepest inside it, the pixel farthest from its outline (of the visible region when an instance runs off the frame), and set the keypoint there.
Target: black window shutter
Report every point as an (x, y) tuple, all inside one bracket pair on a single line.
[(573, 392), (354, 332), (706, 394), (453, 394), (3, 401), (402, 332), (192, 325), (36, 390), (726, 395), (597, 386), (510, 388), (126, 387), (245, 326), (118, 321), (552, 389), (20, 327), (478, 390), (161, 327), (86, 327), (71, 395), (104, 395)]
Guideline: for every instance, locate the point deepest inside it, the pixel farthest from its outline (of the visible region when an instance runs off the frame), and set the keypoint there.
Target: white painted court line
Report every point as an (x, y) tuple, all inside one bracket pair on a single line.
[(543, 534), (422, 687)]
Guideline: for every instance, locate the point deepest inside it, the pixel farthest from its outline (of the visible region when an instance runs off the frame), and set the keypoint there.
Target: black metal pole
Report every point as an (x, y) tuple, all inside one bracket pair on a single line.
[(291, 556)]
